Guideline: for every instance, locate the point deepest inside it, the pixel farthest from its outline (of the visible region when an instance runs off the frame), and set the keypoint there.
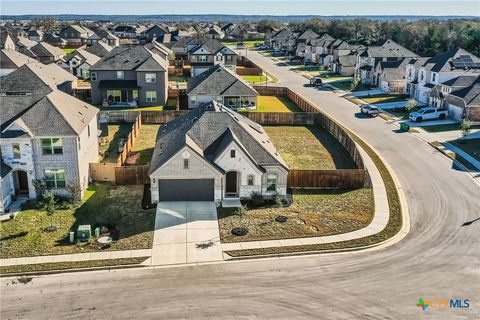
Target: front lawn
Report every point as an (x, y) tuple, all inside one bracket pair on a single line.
[(142, 150), (383, 98), (276, 104), (108, 146), (313, 213), (309, 148), (117, 207), (256, 79), (470, 146), (446, 127)]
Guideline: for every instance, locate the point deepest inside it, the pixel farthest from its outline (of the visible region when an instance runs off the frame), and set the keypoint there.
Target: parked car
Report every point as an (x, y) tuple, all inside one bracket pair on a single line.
[(241, 46), (310, 64), (369, 110), (428, 113), (263, 47), (316, 82)]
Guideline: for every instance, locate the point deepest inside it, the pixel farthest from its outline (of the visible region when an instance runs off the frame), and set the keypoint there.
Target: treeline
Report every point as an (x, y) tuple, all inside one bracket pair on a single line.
[(425, 37)]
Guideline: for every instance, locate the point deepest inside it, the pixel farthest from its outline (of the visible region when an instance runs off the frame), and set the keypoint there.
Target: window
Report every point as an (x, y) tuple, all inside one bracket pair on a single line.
[(186, 164), (193, 100), (16, 151), (271, 182), (433, 77), (52, 146), (219, 58), (202, 58), (150, 78), (114, 96), (55, 178), (151, 96), (93, 76), (232, 153), (250, 179), (120, 75)]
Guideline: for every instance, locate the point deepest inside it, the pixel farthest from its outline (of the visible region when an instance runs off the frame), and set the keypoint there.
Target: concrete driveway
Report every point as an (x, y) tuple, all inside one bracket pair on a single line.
[(186, 232)]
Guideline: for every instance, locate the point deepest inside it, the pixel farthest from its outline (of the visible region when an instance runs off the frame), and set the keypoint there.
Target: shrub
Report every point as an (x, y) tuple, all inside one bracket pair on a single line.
[(355, 83), (257, 198), (465, 127), (40, 188), (411, 105)]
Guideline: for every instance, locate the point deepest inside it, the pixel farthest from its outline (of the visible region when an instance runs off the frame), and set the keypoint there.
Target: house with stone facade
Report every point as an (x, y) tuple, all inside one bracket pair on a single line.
[(46, 134), (213, 153)]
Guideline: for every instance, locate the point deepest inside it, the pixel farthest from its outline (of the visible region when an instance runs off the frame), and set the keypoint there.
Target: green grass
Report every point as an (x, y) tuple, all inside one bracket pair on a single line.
[(400, 114), (108, 146), (470, 146), (446, 127), (382, 99), (275, 104), (69, 50), (174, 78), (313, 213), (142, 150), (105, 204), (152, 108), (309, 148), (249, 43), (53, 266), (256, 79), (394, 224)]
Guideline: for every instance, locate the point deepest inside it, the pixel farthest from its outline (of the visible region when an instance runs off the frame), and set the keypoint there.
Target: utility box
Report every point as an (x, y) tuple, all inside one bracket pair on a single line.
[(84, 232), (71, 237), (97, 232)]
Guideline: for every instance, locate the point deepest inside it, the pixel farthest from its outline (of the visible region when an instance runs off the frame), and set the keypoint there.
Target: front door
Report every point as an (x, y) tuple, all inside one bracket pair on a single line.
[(231, 184), (22, 181)]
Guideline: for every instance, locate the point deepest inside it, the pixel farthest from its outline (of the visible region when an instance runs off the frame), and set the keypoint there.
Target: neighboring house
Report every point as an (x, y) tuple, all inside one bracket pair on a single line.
[(80, 62), (54, 40), (6, 42), (389, 76), (460, 95), (103, 36), (316, 49), (164, 39), (75, 34), (99, 49), (11, 60), (215, 32), (125, 31), (368, 58), (213, 153), (35, 35), (153, 32), (302, 41), (283, 39), (130, 75), (222, 85), (436, 70), (46, 53), (161, 50), (46, 135), (24, 45), (345, 64), (182, 47), (208, 54)]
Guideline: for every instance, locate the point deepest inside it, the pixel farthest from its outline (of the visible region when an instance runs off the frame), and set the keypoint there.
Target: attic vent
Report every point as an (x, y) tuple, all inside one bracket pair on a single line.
[(80, 113)]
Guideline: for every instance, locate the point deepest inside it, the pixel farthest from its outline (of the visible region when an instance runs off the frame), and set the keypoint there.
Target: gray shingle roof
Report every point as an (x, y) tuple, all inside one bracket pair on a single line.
[(390, 49), (43, 49), (218, 81), (130, 58), (443, 61), (13, 59), (469, 96), (5, 169), (461, 81), (204, 130), (99, 49)]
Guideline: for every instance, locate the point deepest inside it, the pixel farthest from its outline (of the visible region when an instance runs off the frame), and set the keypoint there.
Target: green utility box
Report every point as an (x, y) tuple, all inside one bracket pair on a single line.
[(404, 127), (84, 232)]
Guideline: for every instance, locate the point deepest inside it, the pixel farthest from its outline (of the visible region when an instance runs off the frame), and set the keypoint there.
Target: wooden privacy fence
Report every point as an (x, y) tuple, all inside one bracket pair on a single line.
[(114, 116), (102, 171), (154, 117), (281, 118), (327, 179), (132, 174)]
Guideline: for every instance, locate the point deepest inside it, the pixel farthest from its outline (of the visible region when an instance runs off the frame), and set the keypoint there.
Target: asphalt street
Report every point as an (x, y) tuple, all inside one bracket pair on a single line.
[(438, 259)]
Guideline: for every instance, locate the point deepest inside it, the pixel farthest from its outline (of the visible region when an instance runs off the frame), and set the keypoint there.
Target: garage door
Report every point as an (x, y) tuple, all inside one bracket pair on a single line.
[(185, 190)]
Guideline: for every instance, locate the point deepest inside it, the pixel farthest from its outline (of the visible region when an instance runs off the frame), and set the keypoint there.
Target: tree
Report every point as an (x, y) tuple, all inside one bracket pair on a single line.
[(466, 127), (411, 105), (355, 83), (75, 191), (47, 24), (49, 205)]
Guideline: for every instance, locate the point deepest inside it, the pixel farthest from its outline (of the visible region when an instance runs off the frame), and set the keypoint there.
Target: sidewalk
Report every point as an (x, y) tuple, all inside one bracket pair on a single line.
[(378, 223), (88, 256)]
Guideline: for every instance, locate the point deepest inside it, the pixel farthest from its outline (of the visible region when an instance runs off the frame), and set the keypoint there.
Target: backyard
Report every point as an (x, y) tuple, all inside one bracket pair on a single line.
[(313, 213), (309, 148), (170, 105), (116, 207), (108, 146), (142, 150), (275, 104)]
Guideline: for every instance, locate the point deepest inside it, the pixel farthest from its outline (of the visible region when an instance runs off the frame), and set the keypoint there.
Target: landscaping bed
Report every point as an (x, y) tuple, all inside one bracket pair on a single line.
[(108, 146), (116, 208), (39, 267), (142, 150), (309, 148), (313, 213)]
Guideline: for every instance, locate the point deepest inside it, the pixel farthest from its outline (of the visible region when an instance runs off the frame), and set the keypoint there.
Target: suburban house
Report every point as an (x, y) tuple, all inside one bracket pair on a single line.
[(460, 95), (208, 54), (215, 32), (54, 40), (75, 34), (153, 32), (11, 60), (46, 134), (422, 77), (161, 50), (80, 62), (35, 35), (130, 75), (99, 49), (104, 36), (389, 76), (345, 64), (368, 58), (182, 47), (23, 45), (222, 85), (283, 39), (302, 41), (46, 53), (6, 42), (316, 49), (213, 153)]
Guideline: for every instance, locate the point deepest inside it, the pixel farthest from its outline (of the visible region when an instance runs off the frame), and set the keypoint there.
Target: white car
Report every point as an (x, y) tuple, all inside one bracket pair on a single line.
[(428, 113), (370, 110)]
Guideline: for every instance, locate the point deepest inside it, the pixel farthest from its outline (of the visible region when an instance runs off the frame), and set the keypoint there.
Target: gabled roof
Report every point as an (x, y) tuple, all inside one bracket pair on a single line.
[(206, 129), (51, 38), (85, 56), (219, 81), (211, 45), (443, 62), (99, 49), (131, 58), (162, 29), (43, 49), (308, 34), (284, 33), (24, 42), (78, 28), (389, 49), (13, 59), (468, 96), (102, 33)]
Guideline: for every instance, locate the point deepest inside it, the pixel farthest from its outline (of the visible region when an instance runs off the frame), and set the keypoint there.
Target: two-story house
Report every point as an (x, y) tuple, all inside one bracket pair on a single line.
[(153, 32), (130, 75), (389, 76), (438, 69), (283, 39), (46, 134), (76, 35), (208, 54), (80, 62), (46, 53), (104, 36), (317, 48)]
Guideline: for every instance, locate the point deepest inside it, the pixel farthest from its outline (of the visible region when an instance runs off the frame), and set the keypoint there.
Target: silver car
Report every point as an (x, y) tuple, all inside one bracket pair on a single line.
[(369, 110)]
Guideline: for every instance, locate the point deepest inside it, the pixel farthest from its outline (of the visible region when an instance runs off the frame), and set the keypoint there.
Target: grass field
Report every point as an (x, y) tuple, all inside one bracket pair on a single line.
[(256, 79), (108, 146), (275, 104), (104, 204), (313, 213), (309, 148), (142, 150)]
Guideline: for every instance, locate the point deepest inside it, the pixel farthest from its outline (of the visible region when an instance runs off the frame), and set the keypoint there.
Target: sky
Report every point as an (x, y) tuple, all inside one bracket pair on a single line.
[(244, 7)]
